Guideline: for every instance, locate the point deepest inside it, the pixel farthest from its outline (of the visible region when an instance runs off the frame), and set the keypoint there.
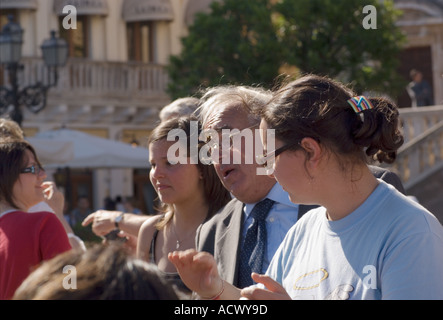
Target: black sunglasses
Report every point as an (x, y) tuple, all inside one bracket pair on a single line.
[(34, 169), (280, 150), (274, 154)]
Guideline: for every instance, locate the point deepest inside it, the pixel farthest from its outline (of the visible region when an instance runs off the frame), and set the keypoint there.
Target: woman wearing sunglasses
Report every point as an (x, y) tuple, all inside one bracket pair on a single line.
[(367, 240), (25, 239)]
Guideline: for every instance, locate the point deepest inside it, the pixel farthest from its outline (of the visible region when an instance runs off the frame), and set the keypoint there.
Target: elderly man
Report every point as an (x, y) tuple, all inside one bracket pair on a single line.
[(242, 240)]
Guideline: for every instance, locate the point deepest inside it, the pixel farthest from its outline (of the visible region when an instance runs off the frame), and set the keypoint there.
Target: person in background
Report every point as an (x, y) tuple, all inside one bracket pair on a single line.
[(119, 203), (419, 90), (109, 204), (54, 199), (82, 210), (180, 107), (26, 239), (190, 194), (10, 130), (130, 206), (103, 272), (366, 240)]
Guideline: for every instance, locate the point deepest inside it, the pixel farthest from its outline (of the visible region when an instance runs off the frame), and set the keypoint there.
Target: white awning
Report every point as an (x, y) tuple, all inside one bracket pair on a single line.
[(18, 4), (90, 151), (147, 10), (84, 7)]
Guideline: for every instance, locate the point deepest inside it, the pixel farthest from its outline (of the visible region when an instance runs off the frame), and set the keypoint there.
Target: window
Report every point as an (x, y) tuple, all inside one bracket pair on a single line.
[(78, 39), (4, 13), (140, 41)]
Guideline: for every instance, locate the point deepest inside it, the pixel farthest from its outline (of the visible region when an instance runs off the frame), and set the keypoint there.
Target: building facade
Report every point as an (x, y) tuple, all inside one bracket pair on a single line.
[(114, 83), (422, 22)]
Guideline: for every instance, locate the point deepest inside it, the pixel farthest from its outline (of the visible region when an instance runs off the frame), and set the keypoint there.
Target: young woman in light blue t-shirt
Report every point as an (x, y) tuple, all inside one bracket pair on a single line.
[(367, 240)]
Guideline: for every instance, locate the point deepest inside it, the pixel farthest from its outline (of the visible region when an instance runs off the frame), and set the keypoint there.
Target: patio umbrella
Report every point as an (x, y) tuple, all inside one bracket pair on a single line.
[(94, 152), (52, 152)]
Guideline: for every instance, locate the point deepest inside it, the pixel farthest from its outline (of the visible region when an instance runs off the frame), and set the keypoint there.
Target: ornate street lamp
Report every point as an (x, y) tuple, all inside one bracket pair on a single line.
[(12, 98)]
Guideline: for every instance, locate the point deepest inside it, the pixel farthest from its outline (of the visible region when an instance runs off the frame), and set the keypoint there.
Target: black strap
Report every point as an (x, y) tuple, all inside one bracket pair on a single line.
[(302, 209)]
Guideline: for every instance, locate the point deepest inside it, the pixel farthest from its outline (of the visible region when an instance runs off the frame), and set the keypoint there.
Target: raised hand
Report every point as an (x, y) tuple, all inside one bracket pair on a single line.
[(273, 290), (198, 270)]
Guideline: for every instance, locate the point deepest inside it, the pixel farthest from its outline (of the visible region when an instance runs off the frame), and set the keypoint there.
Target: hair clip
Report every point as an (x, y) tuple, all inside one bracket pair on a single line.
[(360, 103)]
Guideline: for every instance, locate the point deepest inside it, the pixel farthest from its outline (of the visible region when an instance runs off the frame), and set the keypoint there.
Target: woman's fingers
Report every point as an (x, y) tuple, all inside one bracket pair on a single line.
[(273, 290)]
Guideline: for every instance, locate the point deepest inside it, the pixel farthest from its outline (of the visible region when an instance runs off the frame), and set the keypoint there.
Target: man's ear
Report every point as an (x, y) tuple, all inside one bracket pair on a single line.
[(312, 149)]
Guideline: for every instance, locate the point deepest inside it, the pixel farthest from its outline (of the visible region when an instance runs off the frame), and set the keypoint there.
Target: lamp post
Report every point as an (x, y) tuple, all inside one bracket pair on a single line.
[(12, 98)]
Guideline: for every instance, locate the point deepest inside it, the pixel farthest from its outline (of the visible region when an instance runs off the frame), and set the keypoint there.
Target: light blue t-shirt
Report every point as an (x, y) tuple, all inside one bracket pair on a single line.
[(388, 248), (282, 216)]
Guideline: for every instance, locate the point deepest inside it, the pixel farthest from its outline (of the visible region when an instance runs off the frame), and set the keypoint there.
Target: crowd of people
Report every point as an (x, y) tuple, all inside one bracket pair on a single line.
[(326, 224)]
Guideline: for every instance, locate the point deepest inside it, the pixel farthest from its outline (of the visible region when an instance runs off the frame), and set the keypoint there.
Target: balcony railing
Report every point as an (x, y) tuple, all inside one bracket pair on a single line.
[(415, 121), (421, 156), (422, 153), (81, 77)]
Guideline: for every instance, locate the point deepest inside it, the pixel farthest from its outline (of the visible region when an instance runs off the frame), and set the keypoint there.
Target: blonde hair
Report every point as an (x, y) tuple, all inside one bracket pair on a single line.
[(180, 107), (10, 130)]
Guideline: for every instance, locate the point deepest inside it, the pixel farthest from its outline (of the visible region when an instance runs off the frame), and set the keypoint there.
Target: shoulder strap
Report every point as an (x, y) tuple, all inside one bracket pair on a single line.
[(302, 209)]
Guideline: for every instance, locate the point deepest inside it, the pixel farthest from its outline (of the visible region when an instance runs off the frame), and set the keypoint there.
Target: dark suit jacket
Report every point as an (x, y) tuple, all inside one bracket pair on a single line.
[(220, 235), (388, 177)]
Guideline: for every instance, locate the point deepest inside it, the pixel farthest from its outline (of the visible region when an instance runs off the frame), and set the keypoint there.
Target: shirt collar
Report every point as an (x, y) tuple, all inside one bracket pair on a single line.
[(277, 194)]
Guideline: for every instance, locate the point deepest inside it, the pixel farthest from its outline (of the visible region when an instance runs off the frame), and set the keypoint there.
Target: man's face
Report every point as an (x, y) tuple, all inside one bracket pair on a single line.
[(240, 179), (418, 77)]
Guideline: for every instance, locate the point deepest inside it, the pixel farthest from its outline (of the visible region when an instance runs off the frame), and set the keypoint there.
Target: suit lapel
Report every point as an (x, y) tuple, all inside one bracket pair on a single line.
[(228, 244)]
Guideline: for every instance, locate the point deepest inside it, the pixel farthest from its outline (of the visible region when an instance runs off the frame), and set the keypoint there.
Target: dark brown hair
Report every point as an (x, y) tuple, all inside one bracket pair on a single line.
[(13, 160), (317, 107), (215, 194), (103, 272)]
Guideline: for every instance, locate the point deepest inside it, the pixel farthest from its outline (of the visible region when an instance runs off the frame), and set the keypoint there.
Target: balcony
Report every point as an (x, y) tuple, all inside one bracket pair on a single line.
[(118, 80), (137, 88), (420, 160)]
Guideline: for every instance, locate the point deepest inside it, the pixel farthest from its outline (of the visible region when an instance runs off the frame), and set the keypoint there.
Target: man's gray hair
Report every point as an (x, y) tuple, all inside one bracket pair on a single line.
[(180, 107), (250, 99)]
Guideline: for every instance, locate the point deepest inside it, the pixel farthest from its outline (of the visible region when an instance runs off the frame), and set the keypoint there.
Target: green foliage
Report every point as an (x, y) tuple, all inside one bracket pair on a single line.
[(235, 44), (327, 37), (247, 42)]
